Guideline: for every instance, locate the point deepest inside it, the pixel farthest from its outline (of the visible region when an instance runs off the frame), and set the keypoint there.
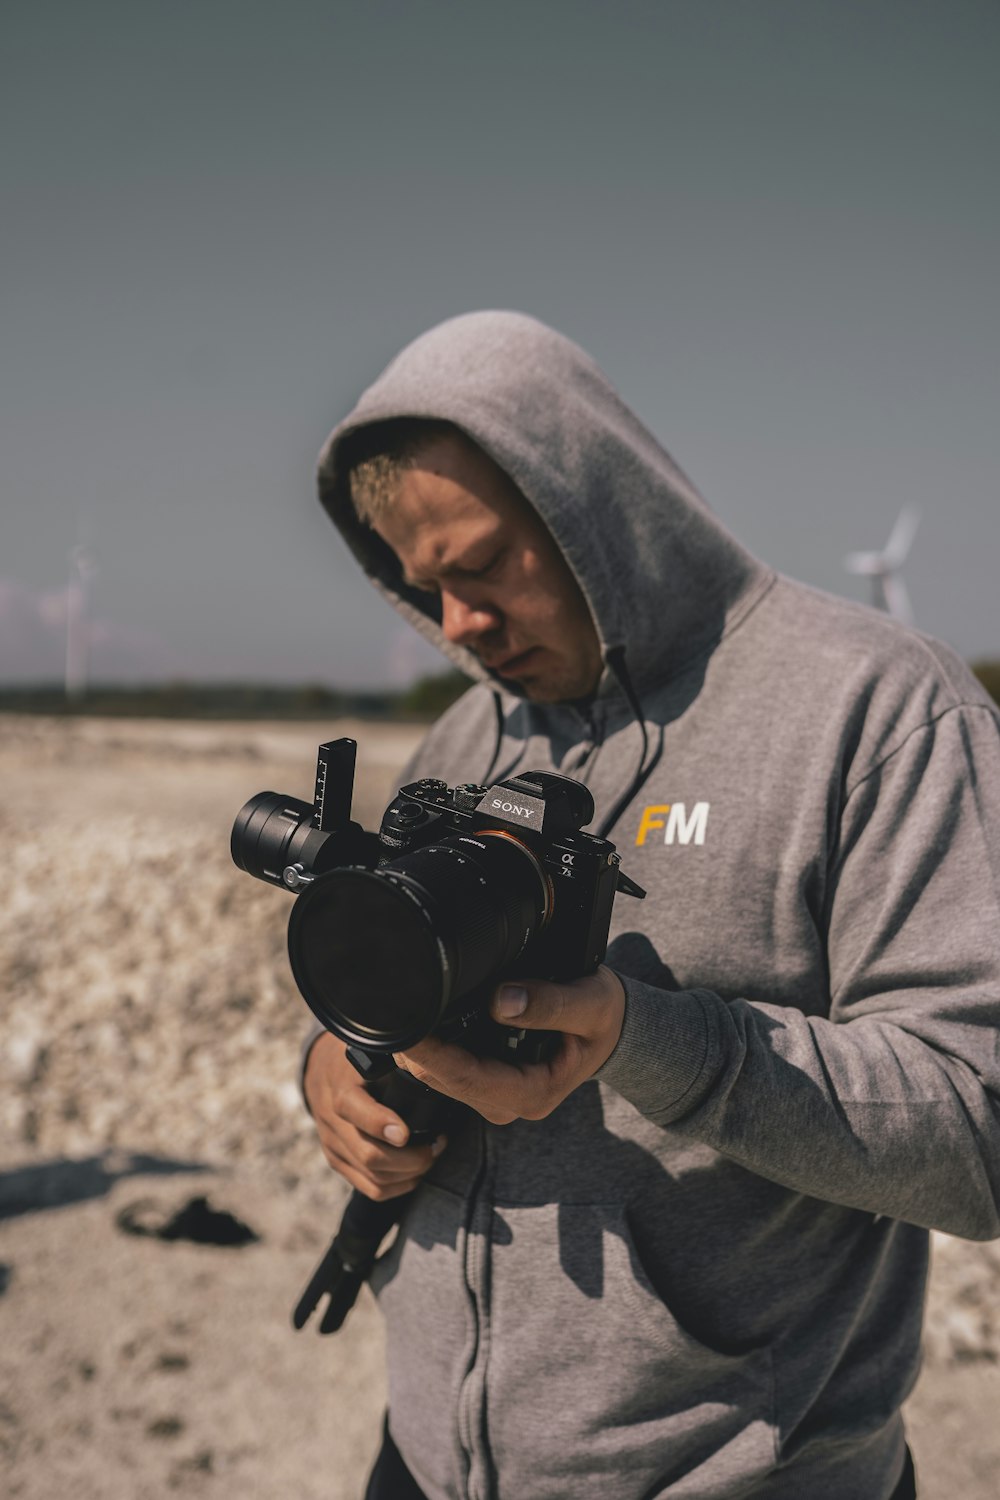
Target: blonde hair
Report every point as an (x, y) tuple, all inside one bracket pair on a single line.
[(373, 484), (377, 455)]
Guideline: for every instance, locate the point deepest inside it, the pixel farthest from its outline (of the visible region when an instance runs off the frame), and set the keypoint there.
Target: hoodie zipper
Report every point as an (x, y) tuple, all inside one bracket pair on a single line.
[(472, 1428)]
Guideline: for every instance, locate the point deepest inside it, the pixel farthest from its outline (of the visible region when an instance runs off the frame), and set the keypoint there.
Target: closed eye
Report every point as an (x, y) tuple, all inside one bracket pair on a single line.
[(458, 572), (481, 572)]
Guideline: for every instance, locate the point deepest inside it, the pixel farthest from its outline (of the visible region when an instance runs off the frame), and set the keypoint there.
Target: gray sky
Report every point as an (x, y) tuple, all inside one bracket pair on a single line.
[(775, 223)]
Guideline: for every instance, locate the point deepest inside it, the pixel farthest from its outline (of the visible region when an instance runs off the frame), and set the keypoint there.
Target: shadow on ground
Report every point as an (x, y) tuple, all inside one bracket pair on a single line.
[(54, 1184)]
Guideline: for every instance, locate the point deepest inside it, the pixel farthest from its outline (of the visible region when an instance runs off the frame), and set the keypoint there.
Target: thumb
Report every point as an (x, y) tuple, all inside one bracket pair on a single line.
[(529, 1003), (587, 1006)]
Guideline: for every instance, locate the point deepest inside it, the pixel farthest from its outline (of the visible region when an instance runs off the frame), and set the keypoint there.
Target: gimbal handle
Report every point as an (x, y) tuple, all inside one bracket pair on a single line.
[(365, 1223)]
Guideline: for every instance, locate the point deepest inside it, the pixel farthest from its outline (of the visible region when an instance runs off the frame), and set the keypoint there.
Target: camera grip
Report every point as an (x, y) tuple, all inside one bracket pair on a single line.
[(348, 1262)]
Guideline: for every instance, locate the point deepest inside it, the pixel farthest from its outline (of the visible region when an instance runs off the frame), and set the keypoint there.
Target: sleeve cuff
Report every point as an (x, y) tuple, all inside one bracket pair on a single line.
[(669, 1053), (312, 1036)]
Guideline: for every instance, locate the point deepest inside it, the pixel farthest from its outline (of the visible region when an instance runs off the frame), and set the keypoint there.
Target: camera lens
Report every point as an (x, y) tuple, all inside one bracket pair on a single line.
[(272, 831), (382, 956)]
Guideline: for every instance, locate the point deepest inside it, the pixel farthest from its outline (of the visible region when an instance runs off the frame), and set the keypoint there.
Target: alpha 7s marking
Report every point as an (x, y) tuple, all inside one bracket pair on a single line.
[(680, 827)]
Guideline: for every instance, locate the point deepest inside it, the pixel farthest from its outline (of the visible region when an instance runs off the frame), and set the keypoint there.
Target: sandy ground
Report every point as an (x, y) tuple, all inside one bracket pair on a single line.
[(150, 1044)]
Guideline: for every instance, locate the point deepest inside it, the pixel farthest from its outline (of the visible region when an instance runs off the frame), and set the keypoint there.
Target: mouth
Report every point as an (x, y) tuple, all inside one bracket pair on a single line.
[(512, 666)]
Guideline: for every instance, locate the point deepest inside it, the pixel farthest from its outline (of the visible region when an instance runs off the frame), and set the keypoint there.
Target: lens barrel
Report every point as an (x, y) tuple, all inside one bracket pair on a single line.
[(383, 956), (272, 832)]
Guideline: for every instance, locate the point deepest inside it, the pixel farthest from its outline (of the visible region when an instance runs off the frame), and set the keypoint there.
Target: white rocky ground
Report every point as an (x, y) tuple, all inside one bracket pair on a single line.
[(150, 1038)]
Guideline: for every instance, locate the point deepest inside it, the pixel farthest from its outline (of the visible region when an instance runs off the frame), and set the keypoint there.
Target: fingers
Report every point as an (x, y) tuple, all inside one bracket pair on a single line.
[(357, 1106), (499, 1091), (586, 1017), (361, 1139), (378, 1170), (368, 1143), (586, 1007)]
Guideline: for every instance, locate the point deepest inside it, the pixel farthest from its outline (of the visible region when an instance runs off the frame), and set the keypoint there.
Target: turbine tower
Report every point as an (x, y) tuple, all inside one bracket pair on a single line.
[(81, 570), (885, 568)]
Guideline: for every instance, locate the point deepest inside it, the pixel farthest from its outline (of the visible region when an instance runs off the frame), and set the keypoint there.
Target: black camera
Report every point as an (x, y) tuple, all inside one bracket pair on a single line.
[(406, 932)]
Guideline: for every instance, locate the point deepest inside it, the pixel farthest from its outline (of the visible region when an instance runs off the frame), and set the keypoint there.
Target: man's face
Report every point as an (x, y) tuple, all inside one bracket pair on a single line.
[(462, 530)]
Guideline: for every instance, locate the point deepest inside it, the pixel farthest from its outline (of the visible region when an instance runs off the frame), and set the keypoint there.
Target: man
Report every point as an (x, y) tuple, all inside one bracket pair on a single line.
[(686, 1257)]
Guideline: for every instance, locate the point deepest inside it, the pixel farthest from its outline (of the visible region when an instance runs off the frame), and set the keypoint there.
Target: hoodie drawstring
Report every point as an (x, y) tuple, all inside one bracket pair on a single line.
[(487, 776), (614, 659)]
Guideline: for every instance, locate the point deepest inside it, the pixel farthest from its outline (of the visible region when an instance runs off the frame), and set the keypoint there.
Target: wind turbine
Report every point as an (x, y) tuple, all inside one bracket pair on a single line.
[(81, 570), (884, 568)]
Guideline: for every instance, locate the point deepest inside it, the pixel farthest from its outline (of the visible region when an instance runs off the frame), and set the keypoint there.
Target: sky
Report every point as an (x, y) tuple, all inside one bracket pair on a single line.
[(774, 223)]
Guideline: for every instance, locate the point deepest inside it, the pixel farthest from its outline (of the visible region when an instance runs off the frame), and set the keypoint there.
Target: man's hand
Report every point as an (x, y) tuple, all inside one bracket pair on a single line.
[(587, 1012), (361, 1139)]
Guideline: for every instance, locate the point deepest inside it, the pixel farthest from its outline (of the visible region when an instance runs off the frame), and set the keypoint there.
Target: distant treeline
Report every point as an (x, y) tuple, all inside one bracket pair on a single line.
[(988, 673), (425, 700)]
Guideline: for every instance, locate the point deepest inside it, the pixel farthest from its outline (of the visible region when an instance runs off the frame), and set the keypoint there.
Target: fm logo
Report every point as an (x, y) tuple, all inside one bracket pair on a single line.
[(679, 826)]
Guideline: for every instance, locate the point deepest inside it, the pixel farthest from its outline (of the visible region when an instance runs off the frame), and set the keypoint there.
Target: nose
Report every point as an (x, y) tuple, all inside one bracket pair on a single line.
[(463, 622)]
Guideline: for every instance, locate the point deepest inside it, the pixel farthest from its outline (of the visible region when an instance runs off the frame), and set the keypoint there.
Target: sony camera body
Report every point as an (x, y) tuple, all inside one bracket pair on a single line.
[(395, 935)]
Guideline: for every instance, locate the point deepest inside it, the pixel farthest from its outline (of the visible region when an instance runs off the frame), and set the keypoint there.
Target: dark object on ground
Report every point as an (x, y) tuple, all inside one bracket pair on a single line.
[(196, 1221)]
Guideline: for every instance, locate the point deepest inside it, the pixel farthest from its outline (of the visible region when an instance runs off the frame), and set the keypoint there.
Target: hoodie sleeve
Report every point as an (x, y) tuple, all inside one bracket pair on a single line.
[(890, 1101)]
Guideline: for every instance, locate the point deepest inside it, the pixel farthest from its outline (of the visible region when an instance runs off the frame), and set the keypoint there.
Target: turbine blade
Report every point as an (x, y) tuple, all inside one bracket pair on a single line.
[(865, 563), (897, 599), (901, 537)]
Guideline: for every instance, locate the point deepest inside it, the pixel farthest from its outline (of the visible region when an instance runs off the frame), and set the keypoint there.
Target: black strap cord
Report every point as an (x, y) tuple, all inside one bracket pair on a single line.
[(615, 659)]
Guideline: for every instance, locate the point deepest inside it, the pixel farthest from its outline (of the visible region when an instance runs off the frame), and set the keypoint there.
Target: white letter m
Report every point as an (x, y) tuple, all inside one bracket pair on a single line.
[(681, 829)]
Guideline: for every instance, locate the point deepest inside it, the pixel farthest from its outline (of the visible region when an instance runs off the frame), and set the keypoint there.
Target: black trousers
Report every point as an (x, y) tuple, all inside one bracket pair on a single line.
[(906, 1489), (392, 1480)]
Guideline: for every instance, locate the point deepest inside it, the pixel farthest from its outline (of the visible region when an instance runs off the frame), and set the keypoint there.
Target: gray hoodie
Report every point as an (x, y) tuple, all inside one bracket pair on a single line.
[(703, 1274)]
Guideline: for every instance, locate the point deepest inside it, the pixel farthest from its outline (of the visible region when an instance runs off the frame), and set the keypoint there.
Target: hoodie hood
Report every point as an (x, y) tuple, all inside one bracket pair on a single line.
[(663, 578)]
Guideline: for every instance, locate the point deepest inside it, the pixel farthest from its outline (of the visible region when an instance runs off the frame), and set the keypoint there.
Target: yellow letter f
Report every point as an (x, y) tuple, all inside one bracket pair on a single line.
[(649, 820)]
